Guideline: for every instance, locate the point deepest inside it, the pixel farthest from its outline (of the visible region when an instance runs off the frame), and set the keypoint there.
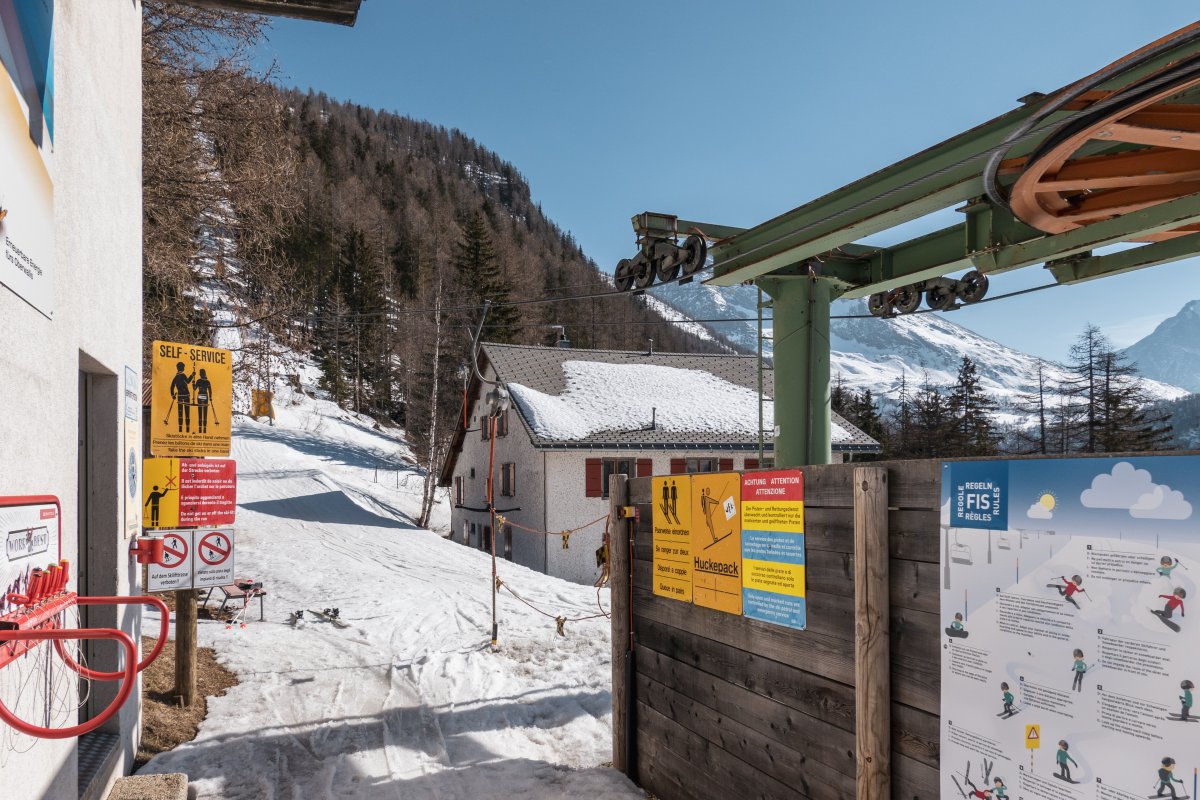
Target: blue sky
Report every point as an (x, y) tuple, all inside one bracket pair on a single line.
[(734, 113)]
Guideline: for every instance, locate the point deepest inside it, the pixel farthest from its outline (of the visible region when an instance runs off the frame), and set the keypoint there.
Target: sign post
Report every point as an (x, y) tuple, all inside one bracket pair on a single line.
[(191, 405)]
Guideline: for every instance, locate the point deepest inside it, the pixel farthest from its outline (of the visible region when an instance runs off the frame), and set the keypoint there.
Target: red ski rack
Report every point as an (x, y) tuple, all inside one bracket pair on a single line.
[(42, 617)]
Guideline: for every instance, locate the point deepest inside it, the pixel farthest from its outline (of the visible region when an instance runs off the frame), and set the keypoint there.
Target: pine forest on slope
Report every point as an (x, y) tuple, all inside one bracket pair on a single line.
[(364, 238)]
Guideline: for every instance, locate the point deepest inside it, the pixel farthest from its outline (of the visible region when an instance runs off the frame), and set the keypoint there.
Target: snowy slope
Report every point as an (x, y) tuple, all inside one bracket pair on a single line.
[(1171, 353), (408, 701), (872, 353)]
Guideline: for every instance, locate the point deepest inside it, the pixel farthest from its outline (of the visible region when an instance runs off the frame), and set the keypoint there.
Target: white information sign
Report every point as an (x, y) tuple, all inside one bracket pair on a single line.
[(31, 532), (1069, 665), (176, 570), (214, 557)]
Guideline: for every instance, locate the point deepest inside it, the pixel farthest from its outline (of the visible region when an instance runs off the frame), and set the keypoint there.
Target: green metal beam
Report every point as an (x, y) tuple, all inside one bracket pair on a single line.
[(800, 331), (1148, 255), (937, 178)]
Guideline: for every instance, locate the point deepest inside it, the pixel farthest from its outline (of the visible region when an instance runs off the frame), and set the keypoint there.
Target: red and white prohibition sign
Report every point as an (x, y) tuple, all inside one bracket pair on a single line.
[(214, 548), (175, 550)]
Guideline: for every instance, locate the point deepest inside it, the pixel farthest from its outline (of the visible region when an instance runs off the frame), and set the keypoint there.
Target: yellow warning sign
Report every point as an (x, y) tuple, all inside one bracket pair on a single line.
[(191, 393), (717, 541), (1033, 737), (672, 519)]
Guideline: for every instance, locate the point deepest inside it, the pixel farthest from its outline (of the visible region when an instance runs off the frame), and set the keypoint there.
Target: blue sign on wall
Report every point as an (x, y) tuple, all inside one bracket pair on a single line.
[(978, 494)]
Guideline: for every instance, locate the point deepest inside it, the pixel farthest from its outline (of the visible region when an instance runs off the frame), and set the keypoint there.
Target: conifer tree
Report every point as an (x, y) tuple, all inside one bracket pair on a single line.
[(971, 429), (478, 268)]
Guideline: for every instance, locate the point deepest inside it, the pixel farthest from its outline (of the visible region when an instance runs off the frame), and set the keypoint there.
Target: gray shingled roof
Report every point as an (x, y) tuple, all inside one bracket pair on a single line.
[(541, 369)]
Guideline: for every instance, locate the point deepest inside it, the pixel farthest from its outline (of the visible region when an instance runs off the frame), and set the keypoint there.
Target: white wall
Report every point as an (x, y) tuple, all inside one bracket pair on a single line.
[(96, 327)]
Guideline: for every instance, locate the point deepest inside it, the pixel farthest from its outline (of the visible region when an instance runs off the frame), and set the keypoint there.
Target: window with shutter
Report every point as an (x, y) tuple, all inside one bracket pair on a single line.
[(502, 424), (460, 493), (679, 466), (593, 473), (645, 467), (726, 464), (750, 463), (508, 480)]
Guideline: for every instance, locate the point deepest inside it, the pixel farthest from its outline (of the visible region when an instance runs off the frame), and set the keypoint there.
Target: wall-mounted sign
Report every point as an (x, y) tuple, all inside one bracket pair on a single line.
[(132, 483), (672, 520), (191, 397), (27, 264), (717, 541), (1068, 662), (773, 568), (189, 492), (31, 535)]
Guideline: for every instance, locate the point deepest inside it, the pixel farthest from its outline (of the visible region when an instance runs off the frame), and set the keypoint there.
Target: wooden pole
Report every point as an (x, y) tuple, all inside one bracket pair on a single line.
[(186, 613), (872, 671), (619, 583)]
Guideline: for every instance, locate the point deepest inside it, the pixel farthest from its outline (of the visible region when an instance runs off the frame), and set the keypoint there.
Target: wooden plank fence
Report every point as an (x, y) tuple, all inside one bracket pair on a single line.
[(726, 706)]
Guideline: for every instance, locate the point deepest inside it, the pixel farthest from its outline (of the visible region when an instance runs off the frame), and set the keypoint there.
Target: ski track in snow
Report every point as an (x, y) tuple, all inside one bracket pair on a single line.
[(409, 701)]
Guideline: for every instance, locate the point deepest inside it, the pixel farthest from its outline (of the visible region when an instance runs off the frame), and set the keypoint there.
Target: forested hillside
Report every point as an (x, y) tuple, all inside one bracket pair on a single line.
[(368, 239)]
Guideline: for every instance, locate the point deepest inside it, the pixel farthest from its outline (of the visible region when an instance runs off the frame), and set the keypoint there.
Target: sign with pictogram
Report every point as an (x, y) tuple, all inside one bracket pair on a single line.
[(716, 541), (191, 394), (1033, 737), (773, 558), (672, 520), (176, 569), (214, 557), (189, 491)]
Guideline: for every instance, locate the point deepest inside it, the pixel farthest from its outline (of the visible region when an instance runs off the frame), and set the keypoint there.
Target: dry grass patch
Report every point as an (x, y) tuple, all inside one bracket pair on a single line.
[(165, 723)]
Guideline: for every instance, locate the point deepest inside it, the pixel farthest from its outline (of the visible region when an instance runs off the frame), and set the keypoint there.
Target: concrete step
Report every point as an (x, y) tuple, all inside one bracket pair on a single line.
[(173, 786)]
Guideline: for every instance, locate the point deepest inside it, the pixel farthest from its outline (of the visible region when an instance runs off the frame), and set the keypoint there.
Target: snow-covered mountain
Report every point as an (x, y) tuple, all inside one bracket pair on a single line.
[(873, 353), (1172, 352)]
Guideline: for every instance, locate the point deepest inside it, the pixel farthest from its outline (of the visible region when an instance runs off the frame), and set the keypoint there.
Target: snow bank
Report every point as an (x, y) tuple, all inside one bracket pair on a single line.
[(408, 701)]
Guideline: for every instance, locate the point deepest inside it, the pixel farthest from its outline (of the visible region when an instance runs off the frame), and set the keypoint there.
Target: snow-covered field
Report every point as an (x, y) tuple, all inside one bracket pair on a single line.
[(409, 701)]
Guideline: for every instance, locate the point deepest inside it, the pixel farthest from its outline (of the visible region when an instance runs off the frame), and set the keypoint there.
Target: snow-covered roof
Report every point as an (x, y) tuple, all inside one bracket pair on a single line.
[(567, 397)]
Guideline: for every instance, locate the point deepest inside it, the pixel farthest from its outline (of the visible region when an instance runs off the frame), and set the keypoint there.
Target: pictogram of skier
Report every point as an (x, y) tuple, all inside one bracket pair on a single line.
[(1185, 703), (1166, 778), (670, 502), (977, 793), (1008, 699), (1174, 601), (203, 401), (181, 396), (1000, 792), (709, 504), (1166, 565), (956, 628), (155, 497), (1069, 587), (1080, 668)]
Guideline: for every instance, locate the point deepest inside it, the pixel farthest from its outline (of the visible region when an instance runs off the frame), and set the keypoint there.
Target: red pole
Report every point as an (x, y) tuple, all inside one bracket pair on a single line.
[(492, 513)]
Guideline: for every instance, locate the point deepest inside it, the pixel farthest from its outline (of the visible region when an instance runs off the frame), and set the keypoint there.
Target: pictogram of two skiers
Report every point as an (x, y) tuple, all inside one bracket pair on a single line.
[(187, 391)]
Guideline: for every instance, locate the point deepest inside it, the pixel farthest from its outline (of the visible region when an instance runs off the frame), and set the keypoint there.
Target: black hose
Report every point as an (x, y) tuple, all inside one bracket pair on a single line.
[(991, 184)]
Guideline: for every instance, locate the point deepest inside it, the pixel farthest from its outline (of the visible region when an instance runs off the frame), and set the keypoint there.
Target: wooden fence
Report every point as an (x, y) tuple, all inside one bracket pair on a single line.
[(707, 704)]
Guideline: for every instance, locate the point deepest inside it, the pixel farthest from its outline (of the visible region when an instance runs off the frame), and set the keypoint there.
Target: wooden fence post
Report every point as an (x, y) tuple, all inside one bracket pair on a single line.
[(186, 613), (872, 667), (620, 577)]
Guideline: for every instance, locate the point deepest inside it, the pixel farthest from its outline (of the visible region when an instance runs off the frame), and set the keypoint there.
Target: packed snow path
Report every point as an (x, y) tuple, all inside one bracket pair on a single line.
[(409, 701)]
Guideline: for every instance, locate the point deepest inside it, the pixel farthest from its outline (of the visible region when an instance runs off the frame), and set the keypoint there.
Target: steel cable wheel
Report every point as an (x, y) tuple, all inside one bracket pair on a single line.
[(1129, 156)]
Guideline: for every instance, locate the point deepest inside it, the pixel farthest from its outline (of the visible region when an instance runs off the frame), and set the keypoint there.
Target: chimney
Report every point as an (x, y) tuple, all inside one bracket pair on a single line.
[(563, 341)]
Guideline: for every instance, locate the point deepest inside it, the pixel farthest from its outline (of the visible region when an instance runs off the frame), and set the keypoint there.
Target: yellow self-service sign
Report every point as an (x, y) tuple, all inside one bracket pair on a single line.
[(191, 394), (717, 541), (673, 537)]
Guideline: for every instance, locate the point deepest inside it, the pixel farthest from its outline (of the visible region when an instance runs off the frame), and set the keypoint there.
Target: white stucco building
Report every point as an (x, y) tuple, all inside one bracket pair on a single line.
[(70, 359), (578, 416)]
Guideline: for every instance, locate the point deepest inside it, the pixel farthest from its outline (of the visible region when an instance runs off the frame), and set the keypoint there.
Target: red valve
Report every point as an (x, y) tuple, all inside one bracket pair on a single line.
[(148, 549)]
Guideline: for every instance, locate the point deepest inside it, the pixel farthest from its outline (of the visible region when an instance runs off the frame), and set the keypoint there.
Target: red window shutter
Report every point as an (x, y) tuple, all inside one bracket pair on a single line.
[(645, 467), (593, 477), (725, 464), (751, 463), (678, 466)]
